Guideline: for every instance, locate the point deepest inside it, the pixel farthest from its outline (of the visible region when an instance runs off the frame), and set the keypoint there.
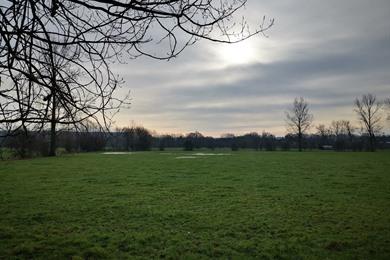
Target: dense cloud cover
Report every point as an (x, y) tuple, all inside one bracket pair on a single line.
[(329, 52)]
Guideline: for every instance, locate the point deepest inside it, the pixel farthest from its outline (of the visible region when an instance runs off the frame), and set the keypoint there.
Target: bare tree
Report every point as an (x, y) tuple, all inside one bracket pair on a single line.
[(324, 133), (299, 119), (57, 108), (368, 110), (87, 36), (349, 129), (387, 105), (342, 131), (336, 128)]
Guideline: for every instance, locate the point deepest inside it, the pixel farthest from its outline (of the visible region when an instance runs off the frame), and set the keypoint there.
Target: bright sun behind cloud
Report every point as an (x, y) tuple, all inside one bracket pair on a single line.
[(237, 54)]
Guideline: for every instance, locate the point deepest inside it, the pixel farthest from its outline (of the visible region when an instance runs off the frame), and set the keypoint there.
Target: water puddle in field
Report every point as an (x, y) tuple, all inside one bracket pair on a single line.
[(117, 153), (198, 155), (186, 157), (211, 154)]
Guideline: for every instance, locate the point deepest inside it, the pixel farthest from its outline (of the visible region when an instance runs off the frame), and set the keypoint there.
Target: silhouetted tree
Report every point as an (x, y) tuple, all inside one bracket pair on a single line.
[(58, 110), (22, 143), (196, 139), (162, 142), (170, 141), (228, 140), (349, 130), (68, 140), (269, 141), (90, 137), (387, 105), (252, 140), (368, 110), (188, 145), (234, 145), (144, 139), (34, 35), (299, 119), (130, 138), (324, 134), (137, 138), (286, 142), (209, 142), (339, 134)]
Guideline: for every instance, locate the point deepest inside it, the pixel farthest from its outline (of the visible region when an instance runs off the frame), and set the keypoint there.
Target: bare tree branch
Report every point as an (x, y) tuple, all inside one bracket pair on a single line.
[(55, 55)]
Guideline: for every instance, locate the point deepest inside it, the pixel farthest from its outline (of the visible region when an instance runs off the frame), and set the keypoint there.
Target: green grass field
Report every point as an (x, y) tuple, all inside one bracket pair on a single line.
[(311, 205)]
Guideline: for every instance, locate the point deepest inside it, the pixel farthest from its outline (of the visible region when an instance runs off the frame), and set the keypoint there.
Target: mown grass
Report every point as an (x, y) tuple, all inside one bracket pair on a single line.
[(310, 205)]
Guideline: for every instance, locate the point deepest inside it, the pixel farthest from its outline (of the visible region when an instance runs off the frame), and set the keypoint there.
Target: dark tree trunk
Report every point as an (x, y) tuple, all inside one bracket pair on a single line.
[(300, 141), (372, 142), (52, 151)]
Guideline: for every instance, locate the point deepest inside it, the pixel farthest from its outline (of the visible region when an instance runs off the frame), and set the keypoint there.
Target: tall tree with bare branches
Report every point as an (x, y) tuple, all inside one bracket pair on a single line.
[(299, 119), (94, 33), (368, 111), (387, 105)]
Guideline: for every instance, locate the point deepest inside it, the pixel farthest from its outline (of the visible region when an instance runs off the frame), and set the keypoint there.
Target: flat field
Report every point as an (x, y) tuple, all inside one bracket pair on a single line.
[(310, 205)]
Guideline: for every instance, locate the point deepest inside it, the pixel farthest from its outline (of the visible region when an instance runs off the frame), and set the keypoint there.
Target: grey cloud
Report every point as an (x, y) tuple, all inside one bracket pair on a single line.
[(290, 76), (329, 52)]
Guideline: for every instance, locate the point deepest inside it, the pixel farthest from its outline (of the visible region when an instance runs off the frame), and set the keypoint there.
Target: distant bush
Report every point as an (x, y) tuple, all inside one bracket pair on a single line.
[(234, 147), (161, 147), (137, 138), (61, 151), (188, 145), (7, 154)]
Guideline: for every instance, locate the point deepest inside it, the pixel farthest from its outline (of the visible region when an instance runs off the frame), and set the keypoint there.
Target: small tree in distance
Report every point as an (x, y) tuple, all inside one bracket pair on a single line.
[(188, 145), (299, 119), (137, 138), (368, 110), (387, 104), (324, 133)]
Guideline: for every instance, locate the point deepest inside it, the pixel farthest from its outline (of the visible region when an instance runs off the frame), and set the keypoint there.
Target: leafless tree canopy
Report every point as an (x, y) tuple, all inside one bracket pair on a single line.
[(349, 129), (387, 104), (323, 131), (368, 110), (299, 119), (61, 49)]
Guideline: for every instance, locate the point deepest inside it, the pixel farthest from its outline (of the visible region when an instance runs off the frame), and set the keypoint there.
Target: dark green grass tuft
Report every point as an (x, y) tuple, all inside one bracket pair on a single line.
[(151, 205)]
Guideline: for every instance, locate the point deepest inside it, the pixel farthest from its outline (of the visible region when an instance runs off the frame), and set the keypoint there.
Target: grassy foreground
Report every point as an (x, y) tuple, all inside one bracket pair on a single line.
[(152, 205)]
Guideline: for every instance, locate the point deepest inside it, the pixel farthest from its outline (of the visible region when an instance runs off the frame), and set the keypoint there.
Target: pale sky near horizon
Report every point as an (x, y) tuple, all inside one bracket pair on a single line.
[(328, 52)]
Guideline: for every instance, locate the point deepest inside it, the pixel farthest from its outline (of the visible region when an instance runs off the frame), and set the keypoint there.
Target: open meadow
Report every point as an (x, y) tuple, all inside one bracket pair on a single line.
[(246, 204)]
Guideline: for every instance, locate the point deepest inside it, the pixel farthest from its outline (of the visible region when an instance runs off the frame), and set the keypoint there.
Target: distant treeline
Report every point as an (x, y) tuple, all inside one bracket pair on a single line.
[(269, 142), (141, 139), (340, 135)]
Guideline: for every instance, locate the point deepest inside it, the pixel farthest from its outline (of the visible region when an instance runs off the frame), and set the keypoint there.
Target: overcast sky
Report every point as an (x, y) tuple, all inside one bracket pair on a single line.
[(328, 52)]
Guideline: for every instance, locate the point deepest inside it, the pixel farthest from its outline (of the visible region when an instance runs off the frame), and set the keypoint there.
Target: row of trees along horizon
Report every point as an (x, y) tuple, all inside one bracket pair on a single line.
[(58, 89), (340, 135)]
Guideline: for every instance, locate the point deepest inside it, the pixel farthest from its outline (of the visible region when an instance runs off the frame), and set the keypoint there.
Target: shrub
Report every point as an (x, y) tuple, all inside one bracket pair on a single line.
[(61, 151)]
